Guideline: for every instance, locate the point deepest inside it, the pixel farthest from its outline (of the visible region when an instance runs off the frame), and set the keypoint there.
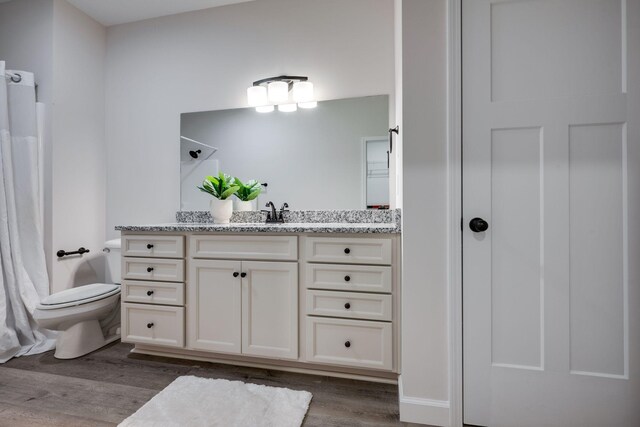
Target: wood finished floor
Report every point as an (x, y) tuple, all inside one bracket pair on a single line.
[(105, 387)]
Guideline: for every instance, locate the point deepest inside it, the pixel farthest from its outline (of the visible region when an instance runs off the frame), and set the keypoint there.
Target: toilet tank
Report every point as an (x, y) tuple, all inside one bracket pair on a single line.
[(112, 251)]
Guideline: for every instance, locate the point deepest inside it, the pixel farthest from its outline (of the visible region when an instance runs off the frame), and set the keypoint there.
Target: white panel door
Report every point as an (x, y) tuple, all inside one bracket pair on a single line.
[(214, 305), (270, 309), (551, 162)]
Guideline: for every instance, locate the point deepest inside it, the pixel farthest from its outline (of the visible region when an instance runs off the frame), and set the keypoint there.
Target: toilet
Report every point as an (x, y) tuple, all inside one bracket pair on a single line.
[(88, 316)]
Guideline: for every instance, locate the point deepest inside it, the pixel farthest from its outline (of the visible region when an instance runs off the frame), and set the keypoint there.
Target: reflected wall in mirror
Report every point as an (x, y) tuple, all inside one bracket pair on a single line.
[(334, 156)]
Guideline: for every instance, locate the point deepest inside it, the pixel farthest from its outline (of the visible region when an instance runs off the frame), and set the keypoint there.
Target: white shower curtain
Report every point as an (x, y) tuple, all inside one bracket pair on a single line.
[(23, 279)]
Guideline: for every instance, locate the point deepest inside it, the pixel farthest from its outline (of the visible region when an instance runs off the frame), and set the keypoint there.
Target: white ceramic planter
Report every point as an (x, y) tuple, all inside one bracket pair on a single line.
[(240, 206), (221, 210)]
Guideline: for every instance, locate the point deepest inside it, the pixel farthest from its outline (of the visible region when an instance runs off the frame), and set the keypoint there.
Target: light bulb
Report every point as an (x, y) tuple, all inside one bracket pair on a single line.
[(257, 95), (311, 104), (265, 109), (287, 108), (278, 91), (303, 91)]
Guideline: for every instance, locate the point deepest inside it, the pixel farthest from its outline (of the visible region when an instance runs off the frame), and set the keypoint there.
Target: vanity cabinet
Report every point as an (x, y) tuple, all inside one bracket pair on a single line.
[(349, 302), (243, 307), (311, 301), (153, 290), (243, 295)]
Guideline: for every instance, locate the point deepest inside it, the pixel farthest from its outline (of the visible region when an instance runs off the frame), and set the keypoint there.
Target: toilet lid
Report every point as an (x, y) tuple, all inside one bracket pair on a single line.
[(81, 293)]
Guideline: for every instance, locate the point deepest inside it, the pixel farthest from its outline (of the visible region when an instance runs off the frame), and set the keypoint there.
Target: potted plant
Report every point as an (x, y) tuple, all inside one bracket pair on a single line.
[(221, 187), (246, 194)]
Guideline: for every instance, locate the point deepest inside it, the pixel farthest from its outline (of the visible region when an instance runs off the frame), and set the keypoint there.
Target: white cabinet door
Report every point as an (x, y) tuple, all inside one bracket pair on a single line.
[(270, 309), (551, 118), (214, 305)]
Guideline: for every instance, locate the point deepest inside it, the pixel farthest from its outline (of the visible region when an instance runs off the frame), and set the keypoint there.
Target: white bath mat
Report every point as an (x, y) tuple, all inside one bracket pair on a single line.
[(201, 402)]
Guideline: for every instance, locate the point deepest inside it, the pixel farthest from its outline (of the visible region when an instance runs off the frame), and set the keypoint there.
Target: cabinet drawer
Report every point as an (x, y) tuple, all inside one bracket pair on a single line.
[(349, 304), (244, 247), (166, 270), (348, 250), (348, 277), (158, 325), (359, 343), (153, 246), (153, 292)]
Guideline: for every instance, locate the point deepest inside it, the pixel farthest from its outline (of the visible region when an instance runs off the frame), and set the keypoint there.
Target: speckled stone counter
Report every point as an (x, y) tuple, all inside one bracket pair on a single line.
[(352, 221)]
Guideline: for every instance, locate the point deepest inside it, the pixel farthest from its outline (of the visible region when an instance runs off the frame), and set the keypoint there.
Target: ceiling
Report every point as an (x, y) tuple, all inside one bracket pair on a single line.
[(113, 12)]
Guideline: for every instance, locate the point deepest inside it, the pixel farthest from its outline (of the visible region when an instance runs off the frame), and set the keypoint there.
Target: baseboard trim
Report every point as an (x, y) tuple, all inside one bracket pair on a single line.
[(423, 411)]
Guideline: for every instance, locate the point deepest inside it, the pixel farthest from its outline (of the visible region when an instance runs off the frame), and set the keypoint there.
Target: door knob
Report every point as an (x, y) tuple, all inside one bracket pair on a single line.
[(478, 225)]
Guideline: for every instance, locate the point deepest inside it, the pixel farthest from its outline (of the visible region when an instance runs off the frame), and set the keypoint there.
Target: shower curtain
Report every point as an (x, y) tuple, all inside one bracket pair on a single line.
[(23, 273)]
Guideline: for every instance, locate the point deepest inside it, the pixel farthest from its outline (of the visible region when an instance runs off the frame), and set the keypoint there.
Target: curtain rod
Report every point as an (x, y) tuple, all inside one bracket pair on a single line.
[(15, 77)]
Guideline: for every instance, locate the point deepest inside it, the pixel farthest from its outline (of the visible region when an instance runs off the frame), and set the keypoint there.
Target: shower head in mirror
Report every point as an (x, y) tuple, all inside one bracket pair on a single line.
[(195, 153)]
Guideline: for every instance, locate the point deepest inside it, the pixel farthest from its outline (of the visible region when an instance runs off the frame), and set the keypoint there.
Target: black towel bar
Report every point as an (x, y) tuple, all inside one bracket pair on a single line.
[(61, 253)]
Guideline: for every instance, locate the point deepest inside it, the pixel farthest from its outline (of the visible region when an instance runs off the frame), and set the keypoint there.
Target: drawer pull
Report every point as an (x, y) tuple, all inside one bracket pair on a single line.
[(347, 251), (149, 246), (347, 306), (150, 325), (347, 278), (149, 293), (347, 344), (236, 274), (149, 269), (243, 275)]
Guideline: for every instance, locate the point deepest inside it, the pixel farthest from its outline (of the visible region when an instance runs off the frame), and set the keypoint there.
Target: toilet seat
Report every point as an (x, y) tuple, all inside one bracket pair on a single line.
[(78, 296)]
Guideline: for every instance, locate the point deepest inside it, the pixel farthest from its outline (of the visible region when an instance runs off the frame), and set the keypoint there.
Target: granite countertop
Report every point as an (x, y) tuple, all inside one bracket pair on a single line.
[(346, 221), (291, 227)]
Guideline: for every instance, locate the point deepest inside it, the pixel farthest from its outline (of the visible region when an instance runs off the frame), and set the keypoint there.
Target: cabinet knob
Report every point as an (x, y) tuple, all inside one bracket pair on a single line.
[(347, 278), (236, 274), (478, 225), (149, 246), (149, 269), (149, 325), (243, 275), (149, 293), (347, 344), (347, 251), (347, 306)]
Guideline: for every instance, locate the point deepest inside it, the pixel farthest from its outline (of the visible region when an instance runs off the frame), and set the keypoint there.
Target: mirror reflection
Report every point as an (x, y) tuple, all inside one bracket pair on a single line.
[(334, 156)]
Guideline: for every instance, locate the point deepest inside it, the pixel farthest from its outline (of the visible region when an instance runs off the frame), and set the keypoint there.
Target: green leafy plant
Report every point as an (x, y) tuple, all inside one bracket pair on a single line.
[(249, 190), (221, 186)]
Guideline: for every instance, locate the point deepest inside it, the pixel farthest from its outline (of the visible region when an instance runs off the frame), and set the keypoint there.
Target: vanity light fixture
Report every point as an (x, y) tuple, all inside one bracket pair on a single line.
[(265, 94)]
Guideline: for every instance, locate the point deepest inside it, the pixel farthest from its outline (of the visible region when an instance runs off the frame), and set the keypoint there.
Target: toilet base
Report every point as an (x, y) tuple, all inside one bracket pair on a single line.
[(80, 339)]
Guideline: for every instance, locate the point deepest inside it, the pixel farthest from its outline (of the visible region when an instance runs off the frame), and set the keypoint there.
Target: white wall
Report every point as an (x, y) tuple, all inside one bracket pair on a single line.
[(204, 60), (25, 40), (26, 27), (311, 159), (424, 388), (78, 151), (66, 50)]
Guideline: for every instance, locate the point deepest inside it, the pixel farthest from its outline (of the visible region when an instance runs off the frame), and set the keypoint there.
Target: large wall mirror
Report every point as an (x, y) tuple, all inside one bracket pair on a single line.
[(334, 156)]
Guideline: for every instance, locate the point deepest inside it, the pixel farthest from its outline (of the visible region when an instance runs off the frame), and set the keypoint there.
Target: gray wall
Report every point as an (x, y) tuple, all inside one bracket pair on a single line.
[(312, 159), (205, 60)]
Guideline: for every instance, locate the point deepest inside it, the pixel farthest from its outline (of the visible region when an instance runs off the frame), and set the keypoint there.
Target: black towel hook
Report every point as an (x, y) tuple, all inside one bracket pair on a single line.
[(395, 130)]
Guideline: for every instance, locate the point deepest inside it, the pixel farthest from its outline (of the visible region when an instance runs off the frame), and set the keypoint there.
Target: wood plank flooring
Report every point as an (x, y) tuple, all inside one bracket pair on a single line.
[(105, 387)]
